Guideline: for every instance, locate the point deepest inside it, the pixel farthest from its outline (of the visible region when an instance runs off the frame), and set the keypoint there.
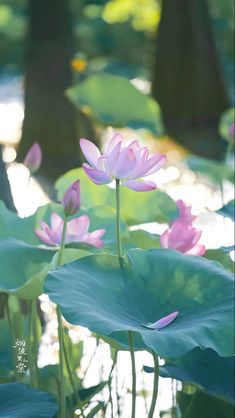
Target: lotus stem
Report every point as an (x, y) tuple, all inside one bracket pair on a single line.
[(118, 229), (60, 332), (61, 250), (61, 362), (155, 386), (73, 384), (225, 159), (33, 343), (130, 337), (11, 335)]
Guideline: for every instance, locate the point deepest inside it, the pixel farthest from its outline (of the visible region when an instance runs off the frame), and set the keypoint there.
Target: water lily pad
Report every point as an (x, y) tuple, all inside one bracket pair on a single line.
[(18, 401), (205, 369), (110, 300), (112, 99), (153, 206)]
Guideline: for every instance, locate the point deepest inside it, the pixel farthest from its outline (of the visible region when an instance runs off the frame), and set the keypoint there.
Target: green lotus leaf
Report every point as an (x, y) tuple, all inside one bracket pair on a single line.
[(228, 210), (17, 400), (205, 369), (214, 170), (112, 99), (203, 405), (14, 226), (111, 300), (21, 264), (153, 206), (222, 256)]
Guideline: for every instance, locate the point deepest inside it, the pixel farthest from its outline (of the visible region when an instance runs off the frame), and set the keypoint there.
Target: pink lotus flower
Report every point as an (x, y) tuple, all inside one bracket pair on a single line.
[(163, 322), (182, 237), (185, 214), (128, 163), (77, 231), (33, 158), (72, 199)]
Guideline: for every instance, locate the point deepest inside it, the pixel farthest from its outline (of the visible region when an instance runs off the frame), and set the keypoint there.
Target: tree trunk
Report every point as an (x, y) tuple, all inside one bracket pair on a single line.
[(5, 189), (50, 118), (187, 80)]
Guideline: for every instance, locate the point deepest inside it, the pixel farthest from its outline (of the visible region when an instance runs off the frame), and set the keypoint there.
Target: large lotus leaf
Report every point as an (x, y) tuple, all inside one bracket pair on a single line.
[(214, 170), (205, 369), (141, 239), (222, 256), (21, 401), (203, 405), (110, 300), (21, 263), (114, 100), (228, 210), (23, 228), (14, 226), (150, 206)]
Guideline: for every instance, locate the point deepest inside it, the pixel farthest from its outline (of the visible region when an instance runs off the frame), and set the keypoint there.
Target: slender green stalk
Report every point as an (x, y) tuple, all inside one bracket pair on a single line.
[(61, 362), (130, 337), (60, 332), (61, 250), (155, 386), (144, 391), (118, 229), (36, 338), (110, 382), (73, 384), (33, 343), (223, 170), (11, 335)]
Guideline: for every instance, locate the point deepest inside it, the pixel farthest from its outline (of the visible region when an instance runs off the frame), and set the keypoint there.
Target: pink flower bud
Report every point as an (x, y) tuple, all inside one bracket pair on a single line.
[(33, 158), (72, 200)]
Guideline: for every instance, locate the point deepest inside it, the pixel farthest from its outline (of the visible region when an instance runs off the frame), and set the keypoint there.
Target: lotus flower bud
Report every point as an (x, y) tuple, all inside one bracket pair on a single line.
[(72, 200), (33, 158)]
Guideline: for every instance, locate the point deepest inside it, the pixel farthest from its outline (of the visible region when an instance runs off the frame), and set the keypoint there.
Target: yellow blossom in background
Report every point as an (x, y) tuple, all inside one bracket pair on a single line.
[(79, 65), (144, 14)]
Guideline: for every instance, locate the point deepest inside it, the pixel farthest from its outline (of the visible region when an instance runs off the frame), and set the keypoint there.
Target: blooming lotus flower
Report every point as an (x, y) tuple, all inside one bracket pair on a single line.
[(127, 163), (182, 237), (72, 199), (163, 322), (33, 158), (77, 231), (185, 214)]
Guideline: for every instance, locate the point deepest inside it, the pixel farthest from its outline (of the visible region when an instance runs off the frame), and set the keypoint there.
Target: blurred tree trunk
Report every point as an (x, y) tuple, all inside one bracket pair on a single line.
[(50, 118), (5, 189), (187, 80)]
